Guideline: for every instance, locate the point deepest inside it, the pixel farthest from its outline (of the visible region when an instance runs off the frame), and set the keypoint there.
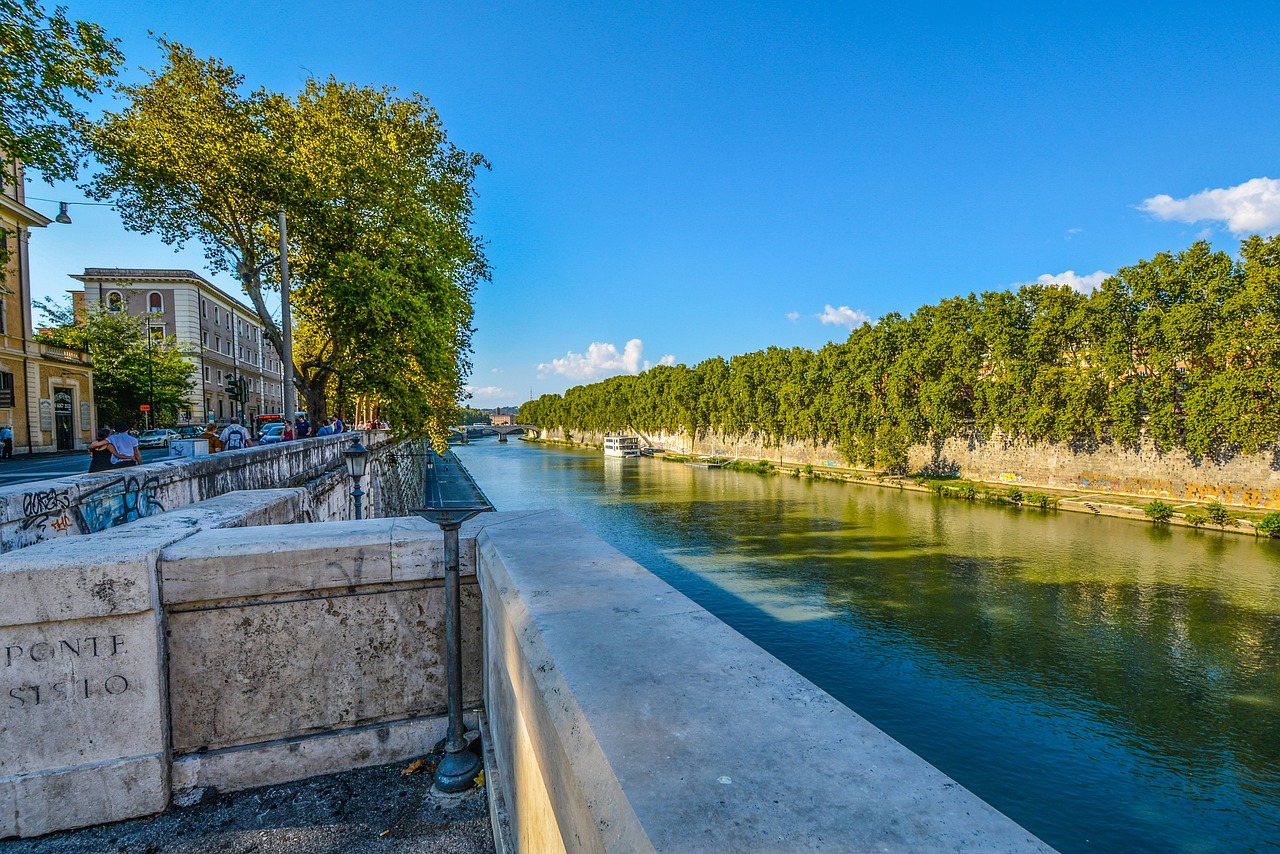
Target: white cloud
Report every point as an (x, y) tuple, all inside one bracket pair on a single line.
[(843, 316), (1079, 284), (602, 360), (489, 395), (1253, 206), (793, 316), (1072, 232)]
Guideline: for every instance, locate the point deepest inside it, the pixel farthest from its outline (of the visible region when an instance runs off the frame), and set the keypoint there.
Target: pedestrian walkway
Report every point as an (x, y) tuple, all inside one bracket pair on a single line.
[(370, 810)]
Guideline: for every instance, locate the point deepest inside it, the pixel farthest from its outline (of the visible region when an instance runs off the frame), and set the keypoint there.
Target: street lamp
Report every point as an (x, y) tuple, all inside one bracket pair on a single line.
[(452, 498), (357, 457)]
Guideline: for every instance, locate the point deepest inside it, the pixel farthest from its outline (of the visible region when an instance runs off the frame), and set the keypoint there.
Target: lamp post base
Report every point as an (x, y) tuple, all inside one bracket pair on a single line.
[(457, 772)]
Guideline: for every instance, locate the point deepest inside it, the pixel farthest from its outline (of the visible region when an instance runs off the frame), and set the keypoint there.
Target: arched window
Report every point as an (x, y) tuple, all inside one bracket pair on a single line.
[(155, 302), (114, 302)]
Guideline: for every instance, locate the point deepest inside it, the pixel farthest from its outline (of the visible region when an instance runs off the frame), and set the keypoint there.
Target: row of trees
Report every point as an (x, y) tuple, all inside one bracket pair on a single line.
[(1185, 347), (383, 259)]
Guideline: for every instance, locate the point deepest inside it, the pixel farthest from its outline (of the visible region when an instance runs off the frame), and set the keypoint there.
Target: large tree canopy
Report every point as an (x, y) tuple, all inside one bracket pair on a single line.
[(46, 61), (1184, 347), (379, 206)]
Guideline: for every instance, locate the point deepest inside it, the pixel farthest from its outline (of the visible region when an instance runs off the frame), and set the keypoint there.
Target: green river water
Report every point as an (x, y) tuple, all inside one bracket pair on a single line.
[(1110, 685)]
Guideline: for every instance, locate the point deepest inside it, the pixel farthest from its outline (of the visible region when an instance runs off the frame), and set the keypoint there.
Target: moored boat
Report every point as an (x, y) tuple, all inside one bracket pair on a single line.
[(621, 446)]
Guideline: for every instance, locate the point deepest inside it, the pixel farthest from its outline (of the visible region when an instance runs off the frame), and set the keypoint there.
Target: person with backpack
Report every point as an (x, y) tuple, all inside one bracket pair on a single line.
[(235, 437)]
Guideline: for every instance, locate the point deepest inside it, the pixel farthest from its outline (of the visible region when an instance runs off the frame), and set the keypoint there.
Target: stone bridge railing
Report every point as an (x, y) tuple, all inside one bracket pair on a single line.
[(83, 504)]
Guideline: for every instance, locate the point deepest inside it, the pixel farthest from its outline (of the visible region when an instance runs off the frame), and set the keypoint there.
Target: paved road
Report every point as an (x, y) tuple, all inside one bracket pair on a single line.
[(30, 467)]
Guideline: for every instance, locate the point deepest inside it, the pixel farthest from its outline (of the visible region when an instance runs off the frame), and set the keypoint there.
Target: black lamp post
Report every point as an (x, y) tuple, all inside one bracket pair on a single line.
[(452, 498), (357, 457)]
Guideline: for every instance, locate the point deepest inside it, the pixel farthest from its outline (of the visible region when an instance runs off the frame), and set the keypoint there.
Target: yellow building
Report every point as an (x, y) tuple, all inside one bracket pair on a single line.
[(46, 393)]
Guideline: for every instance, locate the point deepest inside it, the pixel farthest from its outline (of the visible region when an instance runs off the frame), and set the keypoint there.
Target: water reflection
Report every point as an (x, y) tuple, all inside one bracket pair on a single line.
[(1110, 685)]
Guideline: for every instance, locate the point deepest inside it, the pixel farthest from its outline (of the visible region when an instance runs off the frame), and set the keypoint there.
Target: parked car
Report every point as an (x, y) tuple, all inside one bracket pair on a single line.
[(191, 431), (158, 438), (272, 435)]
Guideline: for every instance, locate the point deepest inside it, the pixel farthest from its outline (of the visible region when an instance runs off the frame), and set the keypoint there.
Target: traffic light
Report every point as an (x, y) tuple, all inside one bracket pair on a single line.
[(233, 387)]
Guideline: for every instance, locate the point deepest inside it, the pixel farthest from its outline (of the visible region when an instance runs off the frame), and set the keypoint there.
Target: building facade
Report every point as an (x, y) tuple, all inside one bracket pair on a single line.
[(46, 392), (225, 336)]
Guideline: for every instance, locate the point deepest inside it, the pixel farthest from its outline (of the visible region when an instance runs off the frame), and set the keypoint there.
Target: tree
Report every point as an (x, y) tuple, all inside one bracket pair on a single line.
[(45, 62), (128, 371), (379, 208)]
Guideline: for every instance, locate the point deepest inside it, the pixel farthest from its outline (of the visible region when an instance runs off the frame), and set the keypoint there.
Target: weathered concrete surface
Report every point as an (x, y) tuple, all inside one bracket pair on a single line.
[(306, 639), (90, 503), (83, 734), (650, 723), (370, 811), (1242, 480)]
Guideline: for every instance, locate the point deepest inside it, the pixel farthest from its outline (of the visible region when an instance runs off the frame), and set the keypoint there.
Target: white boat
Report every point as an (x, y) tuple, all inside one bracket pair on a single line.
[(621, 446)]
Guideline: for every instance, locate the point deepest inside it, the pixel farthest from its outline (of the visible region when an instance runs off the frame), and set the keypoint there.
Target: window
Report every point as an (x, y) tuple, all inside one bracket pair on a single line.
[(204, 339), (6, 390), (217, 343), (215, 314), (204, 308), (206, 373), (155, 303), (114, 301), (219, 377), (220, 402), (157, 333)]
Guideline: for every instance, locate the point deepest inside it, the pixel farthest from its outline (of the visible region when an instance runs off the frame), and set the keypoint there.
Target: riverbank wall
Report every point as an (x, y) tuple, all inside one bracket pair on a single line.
[(1139, 471)]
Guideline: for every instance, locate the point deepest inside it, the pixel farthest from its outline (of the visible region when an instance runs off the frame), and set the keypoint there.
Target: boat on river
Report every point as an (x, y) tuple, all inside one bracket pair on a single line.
[(621, 446), (709, 462)]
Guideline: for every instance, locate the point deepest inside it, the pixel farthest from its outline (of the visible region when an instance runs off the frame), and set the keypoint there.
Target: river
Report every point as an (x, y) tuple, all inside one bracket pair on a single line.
[(1110, 685)]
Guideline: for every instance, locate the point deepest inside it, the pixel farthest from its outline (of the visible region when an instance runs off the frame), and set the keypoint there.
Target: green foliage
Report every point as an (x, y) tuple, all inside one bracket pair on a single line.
[(1014, 494), (1184, 349), (47, 62), (1039, 499), (808, 470), (760, 467), (1218, 514), (126, 371), (1158, 511), (379, 205), (967, 491), (1269, 525), (1195, 518)]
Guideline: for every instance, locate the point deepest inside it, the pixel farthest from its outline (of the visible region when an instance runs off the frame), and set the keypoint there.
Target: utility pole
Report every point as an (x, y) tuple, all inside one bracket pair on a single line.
[(286, 326)]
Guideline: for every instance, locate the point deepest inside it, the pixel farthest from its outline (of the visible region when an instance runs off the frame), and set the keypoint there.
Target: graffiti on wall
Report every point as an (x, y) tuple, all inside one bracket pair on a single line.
[(51, 513), (1227, 494)]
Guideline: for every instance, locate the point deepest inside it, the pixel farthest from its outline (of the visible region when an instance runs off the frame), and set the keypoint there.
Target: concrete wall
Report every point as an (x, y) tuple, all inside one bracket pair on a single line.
[(217, 646), (84, 504), (1247, 481), (625, 718)]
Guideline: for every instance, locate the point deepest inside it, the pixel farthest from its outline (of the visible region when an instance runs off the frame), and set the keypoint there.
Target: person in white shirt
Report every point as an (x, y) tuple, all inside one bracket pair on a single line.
[(124, 447), (235, 437)]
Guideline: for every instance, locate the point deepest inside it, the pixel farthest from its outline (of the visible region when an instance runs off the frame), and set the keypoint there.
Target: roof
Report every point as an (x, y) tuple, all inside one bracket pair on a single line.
[(141, 276)]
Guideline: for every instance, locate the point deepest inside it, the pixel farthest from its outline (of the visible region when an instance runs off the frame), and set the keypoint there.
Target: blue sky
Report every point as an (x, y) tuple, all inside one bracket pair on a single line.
[(685, 180)]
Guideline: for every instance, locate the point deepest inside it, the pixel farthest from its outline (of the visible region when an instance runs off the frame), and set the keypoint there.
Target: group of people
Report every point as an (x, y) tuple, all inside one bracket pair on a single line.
[(114, 449), (119, 448)]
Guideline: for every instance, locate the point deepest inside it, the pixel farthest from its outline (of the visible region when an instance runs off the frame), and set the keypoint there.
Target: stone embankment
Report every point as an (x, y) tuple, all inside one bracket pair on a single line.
[(1101, 479)]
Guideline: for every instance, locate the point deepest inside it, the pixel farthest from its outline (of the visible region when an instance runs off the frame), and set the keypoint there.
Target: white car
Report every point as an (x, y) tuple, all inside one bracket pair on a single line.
[(158, 438)]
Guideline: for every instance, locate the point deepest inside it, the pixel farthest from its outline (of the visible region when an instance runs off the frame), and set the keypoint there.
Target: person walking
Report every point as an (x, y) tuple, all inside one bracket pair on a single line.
[(100, 451), (210, 435), (235, 437), (124, 447), (6, 437), (304, 427), (287, 436)]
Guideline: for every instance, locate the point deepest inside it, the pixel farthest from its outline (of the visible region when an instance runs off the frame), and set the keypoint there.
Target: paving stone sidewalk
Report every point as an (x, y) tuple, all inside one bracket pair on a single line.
[(369, 810)]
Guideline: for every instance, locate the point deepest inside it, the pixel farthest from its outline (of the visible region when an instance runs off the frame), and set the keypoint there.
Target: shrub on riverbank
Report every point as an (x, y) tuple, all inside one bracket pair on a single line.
[(1269, 525), (1158, 511)]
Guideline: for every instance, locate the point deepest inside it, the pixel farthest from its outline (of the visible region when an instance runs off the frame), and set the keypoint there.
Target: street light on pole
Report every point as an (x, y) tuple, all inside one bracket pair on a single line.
[(286, 325)]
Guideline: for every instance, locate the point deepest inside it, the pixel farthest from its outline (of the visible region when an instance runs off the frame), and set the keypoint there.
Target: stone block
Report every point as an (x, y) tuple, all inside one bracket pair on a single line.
[(37, 804), (247, 672), (328, 753), (227, 564)]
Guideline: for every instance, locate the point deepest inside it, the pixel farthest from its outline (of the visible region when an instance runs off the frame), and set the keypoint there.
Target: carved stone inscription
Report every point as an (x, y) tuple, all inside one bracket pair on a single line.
[(77, 692), (45, 671)]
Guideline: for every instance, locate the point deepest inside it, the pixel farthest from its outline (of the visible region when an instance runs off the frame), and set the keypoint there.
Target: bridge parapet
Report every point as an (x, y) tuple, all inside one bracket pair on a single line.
[(84, 504)]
